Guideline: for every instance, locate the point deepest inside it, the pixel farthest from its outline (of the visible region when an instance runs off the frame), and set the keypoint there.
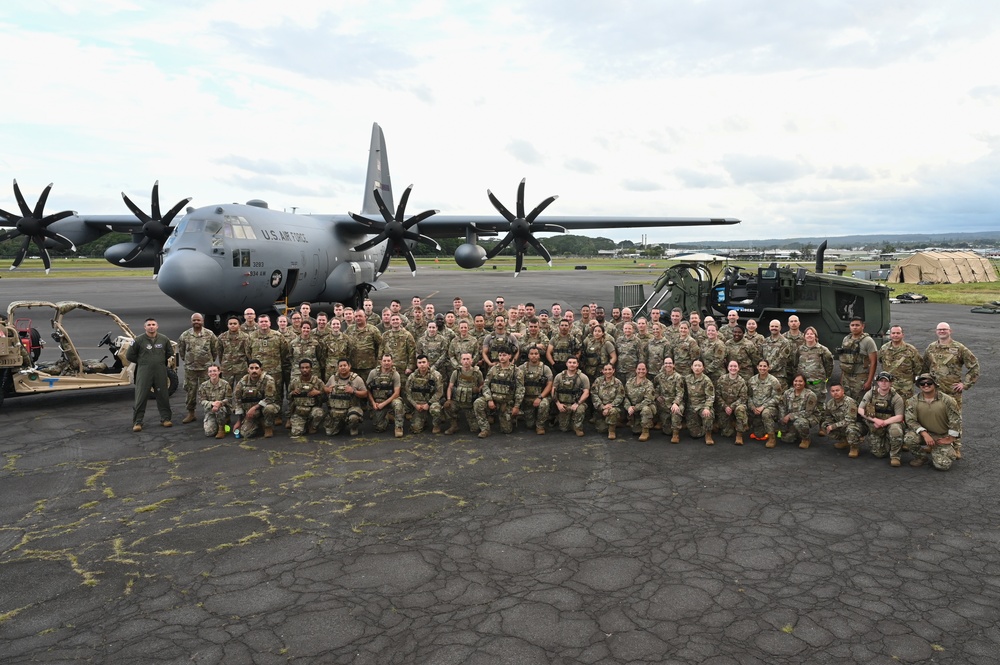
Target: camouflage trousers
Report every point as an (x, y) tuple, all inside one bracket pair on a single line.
[(337, 418), (764, 422), (668, 420), (957, 396), (851, 434), (565, 418), (941, 456), (419, 418), (454, 411), (854, 385), (798, 427), (380, 417), (215, 419), (642, 418), (886, 440), (305, 418), (263, 418), (614, 417), (504, 418), (535, 415), (193, 378), (737, 421), (698, 424)]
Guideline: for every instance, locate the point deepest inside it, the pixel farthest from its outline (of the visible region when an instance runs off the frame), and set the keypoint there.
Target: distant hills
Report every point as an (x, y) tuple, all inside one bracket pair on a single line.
[(896, 239)]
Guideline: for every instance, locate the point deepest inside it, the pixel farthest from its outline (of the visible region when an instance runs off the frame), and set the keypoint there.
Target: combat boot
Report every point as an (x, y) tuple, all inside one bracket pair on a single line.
[(739, 438), (452, 429), (484, 434), (221, 433), (771, 439), (895, 461), (611, 432), (189, 418), (578, 431), (854, 452), (645, 434), (676, 438), (539, 428), (958, 453), (399, 430), (840, 445), (436, 429), (804, 443), (709, 441), (268, 431)]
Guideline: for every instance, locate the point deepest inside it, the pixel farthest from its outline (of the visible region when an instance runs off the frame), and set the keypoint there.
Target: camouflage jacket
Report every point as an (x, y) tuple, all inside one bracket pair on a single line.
[(840, 414), (249, 392), (656, 351), (713, 355), (382, 385), (904, 362), (777, 351), (685, 351), (526, 343), (424, 388), (700, 392), (302, 399), (596, 354), (338, 398), (564, 347), (630, 353), (337, 346), (365, 345), (504, 384), (436, 350), (234, 352), (536, 378), (670, 388), (217, 392), (815, 363), (803, 405), (271, 350), (607, 391), (461, 345), (465, 388), (731, 392), (402, 347), (764, 392), (568, 388), (311, 349), (945, 363), (746, 354), (639, 394), (198, 350), (939, 417)]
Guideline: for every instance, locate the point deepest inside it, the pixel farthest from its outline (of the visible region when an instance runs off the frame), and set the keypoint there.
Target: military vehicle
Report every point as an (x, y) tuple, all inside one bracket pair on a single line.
[(70, 371), (826, 302)]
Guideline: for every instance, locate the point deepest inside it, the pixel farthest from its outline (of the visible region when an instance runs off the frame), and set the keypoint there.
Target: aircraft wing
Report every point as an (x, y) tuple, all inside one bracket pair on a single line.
[(452, 226)]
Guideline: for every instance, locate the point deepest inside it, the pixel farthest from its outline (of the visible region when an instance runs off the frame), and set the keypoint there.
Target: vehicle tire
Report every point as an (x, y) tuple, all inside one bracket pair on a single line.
[(6, 384), (36, 345), (172, 381)]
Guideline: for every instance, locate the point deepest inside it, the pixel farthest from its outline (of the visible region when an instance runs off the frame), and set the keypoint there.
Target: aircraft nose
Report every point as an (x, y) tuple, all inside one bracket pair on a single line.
[(192, 279)]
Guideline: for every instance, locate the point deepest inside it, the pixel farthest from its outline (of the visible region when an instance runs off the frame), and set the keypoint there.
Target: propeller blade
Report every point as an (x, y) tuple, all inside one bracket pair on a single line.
[(7, 235), (46, 260), (59, 239), (169, 217), (499, 247), (534, 242), (136, 210), (385, 261), (21, 203), (21, 253), (364, 220), (416, 219), (136, 251), (518, 263), (520, 200), (500, 207), (548, 228), (56, 217), (380, 238), (539, 208), (155, 201), (9, 217), (419, 237), (401, 209), (411, 262), (382, 208)]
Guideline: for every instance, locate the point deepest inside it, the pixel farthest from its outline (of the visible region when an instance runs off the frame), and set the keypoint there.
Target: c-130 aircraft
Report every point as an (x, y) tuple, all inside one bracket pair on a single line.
[(221, 259)]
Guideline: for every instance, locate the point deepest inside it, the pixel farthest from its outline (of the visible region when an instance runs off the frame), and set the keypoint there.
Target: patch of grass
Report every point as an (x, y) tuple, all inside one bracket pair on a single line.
[(952, 294), (152, 507)]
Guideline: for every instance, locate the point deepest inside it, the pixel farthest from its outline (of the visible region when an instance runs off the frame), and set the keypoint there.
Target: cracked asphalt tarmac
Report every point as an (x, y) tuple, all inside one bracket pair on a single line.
[(167, 547)]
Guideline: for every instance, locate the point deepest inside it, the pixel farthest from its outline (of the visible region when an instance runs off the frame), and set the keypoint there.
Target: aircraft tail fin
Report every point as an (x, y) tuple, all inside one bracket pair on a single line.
[(378, 174)]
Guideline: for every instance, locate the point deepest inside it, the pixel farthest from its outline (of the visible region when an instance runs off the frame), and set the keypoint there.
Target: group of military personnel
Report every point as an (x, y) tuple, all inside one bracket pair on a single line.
[(549, 368)]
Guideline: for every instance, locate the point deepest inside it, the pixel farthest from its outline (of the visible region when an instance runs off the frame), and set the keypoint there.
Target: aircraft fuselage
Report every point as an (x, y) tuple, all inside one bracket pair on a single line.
[(225, 258)]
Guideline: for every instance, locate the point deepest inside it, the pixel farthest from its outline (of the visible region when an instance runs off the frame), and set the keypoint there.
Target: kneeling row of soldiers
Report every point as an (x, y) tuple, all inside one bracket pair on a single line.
[(669, 402)]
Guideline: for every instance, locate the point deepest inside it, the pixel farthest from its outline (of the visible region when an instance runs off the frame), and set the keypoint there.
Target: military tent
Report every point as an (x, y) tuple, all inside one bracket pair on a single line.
[(943, 268)]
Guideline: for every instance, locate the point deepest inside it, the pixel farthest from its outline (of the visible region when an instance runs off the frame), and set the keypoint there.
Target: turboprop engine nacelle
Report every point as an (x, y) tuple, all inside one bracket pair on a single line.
[(145, 259), (470, 255)]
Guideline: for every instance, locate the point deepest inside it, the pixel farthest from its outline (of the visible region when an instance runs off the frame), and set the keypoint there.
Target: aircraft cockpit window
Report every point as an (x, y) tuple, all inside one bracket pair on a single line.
[(213, 226), (195, 226), (241, 228)]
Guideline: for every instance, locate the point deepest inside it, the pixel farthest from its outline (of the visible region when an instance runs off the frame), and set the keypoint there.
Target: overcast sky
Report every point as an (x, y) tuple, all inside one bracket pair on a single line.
[(800, 118)]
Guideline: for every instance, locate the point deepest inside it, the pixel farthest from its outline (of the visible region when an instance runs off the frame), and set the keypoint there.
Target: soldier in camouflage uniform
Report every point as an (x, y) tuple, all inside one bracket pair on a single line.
[(581, 329), (945, 360), (713, 353), (497, 342), (562, 346), (321, 332), (731, 402), (336, 345), (503, 392), (630, 352), (465, 342), (198, 348), (399, 343), (778, 352), (727, 329), (840, 420), (763, 395), (424, 390), (434, 345), (537, 390), (933, 424), (858, 357), (902, 360), (695, 329), (700, 403), (384, 394), (418, 324), (345, 390), (743, 352), (751, 335), (640, 402), (883, 409), (305, 399), (571, 392), (271, 350), (366, 341), (305, 346), (534, 338), (684, 350), (597, 351), (215, 395), (249, 324), (657, 348), (798, 412), (234, 351), (607, 394), (254, 401), (464, 387), (795, 335), (669, 387), (815, 363)]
